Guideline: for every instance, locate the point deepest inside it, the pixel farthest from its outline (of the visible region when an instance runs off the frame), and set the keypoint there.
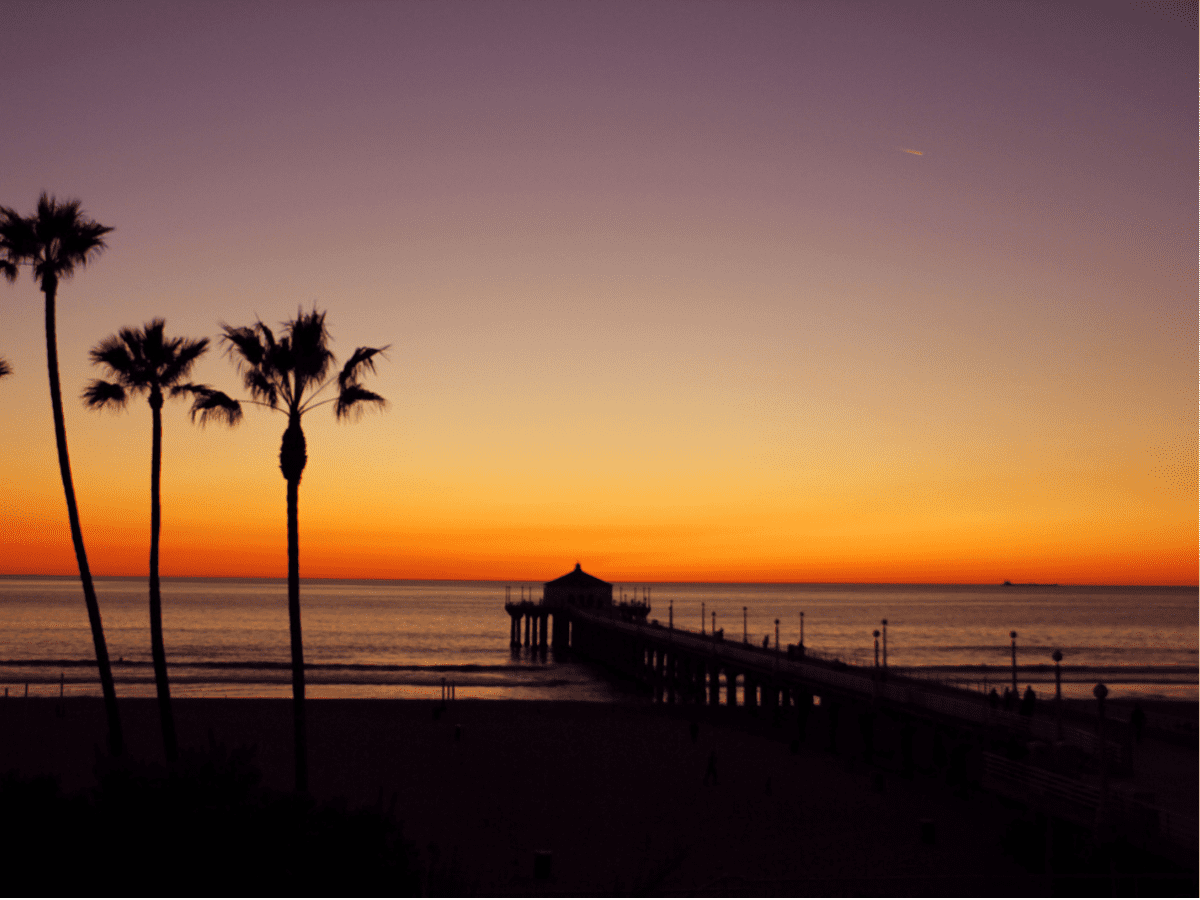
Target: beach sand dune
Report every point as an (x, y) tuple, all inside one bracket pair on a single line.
[(620, 795)]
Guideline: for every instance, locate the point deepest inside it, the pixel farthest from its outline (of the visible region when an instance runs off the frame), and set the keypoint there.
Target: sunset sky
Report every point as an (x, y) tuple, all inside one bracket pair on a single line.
[(667, 289)]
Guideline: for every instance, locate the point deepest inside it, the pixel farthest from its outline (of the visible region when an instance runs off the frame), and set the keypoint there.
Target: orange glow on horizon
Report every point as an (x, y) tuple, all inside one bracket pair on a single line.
[(452, 557)]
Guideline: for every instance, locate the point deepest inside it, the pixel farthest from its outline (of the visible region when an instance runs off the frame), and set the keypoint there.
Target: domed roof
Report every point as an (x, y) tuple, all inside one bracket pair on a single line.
[(577, 578)]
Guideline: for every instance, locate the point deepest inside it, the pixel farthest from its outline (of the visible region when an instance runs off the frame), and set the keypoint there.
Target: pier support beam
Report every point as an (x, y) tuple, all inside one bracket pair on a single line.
[(558, 637), (528, 620), (714, 684), (731, 687)]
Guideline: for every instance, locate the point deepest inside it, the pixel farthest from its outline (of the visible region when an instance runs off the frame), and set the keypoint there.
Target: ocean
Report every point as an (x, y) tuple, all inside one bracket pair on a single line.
[(229, 637)]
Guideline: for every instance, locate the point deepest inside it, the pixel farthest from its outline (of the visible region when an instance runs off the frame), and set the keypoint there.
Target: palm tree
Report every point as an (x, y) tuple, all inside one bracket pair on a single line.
[(55, 241), (143, 361), (5, 369), (288, 375)]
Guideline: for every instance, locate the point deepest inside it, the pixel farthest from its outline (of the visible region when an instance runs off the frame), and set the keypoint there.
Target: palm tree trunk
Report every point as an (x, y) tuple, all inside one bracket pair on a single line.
[(293, 502), (116, 743), (165, 715)]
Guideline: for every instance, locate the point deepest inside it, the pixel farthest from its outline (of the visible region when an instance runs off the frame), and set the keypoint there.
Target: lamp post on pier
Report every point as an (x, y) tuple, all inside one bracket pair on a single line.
[(1013, 635), (885, 643), (702, 617), (745, 632), (776, 635), (876, 633), (670, 614), (801, 629), (714, 623)]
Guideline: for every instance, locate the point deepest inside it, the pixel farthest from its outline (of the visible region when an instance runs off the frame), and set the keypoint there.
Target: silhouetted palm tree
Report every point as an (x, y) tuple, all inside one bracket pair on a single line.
[(143, 361), (288, 375), (55, 241), (5, 369)]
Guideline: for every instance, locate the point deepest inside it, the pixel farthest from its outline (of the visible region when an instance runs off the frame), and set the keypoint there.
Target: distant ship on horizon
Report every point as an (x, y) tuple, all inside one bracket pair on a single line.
[(1028, 584)]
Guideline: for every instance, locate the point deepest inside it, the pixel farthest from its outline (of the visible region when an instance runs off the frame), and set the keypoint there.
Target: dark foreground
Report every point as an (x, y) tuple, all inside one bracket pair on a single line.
[(512, 798)]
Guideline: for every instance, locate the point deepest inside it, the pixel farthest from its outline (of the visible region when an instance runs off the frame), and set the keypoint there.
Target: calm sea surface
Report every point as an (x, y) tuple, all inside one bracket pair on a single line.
[(229, 637)]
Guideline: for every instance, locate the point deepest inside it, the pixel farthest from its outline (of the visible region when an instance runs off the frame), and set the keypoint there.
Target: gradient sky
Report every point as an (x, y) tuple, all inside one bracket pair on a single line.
[(665, 291)]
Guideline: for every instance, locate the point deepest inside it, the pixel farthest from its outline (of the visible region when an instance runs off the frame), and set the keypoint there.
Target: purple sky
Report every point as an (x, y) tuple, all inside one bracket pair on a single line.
[(647, 269)]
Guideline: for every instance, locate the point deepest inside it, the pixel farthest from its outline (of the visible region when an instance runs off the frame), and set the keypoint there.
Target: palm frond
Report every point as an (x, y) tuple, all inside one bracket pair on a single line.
[(182, 356), (65, 237), (253, 349), (5, 368), (113, 354), (261, 387), (242, 345), (209, 403), (16, 242), (353, 400), (101, 394), (362, 360), (309, 346), (144, 358)]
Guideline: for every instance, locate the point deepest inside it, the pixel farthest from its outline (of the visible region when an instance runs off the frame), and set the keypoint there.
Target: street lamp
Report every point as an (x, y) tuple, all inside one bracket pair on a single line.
[(802, 630), (702, 617), (714, 628), (745, 632), (876, 633), (776, 635), (670, 614), (1013, 635), (885, 643)]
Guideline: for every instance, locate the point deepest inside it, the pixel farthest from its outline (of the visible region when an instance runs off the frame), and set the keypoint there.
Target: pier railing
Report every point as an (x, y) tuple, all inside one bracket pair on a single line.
[(868, 682)]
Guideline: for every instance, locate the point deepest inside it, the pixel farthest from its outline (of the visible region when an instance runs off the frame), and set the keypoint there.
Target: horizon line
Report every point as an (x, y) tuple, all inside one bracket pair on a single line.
[(283, 578)]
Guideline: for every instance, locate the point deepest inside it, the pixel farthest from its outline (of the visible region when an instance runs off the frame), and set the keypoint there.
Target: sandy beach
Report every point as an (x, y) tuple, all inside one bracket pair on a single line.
[(616, 793)]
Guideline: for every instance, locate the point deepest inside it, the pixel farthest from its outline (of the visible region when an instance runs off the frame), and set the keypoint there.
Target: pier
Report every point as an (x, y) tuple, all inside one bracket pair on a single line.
[(889, 720)]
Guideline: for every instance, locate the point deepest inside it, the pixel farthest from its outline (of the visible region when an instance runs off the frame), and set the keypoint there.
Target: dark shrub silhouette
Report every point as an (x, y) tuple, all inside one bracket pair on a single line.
[(288, 375), (143, 361), (55, 241), (204, 828)]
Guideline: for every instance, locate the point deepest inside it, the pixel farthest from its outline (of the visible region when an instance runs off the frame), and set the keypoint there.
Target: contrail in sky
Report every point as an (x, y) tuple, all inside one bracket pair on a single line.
[(913, 152)]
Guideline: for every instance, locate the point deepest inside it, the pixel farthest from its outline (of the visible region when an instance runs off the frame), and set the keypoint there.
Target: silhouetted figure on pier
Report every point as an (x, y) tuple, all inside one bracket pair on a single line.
[(1008, 700), (1137, 719), (993, 698), (1028, 701)]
